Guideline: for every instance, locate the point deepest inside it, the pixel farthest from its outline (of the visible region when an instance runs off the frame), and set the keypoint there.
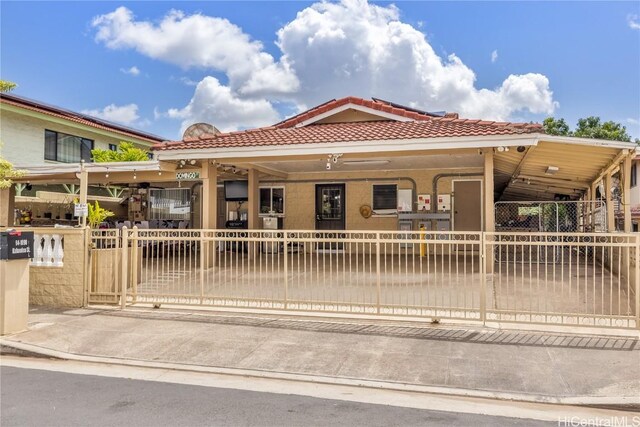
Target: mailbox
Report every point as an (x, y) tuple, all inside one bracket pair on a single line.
[(16, 245)]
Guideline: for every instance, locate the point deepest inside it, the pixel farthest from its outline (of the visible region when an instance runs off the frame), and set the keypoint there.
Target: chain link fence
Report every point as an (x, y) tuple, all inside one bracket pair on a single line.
[(552, 216)]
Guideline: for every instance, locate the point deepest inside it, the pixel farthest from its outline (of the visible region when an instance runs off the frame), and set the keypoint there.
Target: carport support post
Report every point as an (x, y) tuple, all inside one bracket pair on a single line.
[(209, 206), (254, 206), (84, 188), (489, 218), (611, 220), (626, 193)]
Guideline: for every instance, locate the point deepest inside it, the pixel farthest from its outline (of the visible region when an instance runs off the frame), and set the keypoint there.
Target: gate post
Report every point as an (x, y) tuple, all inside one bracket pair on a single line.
[(286, 271), (124, 258), (483, 276), (636, 280), (378, 279), (86, 266), (203, 260)]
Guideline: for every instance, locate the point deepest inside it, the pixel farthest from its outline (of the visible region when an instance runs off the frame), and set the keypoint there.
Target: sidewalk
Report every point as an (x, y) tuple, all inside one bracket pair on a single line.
[(542, 367)]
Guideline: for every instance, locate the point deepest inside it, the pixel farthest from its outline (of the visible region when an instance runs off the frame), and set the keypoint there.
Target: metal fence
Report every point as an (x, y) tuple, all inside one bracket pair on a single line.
[(553, 216), (551, 278)]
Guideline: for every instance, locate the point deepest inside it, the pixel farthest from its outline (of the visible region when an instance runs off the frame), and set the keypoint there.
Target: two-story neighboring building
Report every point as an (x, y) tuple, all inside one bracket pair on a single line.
[(35, 134)]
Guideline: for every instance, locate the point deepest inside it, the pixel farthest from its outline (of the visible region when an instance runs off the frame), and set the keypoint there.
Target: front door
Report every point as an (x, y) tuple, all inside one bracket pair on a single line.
[(330, 210)]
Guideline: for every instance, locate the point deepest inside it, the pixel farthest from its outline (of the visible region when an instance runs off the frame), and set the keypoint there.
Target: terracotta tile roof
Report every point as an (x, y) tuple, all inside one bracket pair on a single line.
[(430, 127), (72, 116), (375, 104)]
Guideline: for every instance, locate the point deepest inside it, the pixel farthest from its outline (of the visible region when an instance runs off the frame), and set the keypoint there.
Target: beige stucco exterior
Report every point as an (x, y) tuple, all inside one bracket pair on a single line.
[(22, 135), (300, 196)]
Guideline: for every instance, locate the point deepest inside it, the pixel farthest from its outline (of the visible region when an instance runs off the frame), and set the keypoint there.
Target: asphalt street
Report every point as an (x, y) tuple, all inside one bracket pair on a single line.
[(32, 397)]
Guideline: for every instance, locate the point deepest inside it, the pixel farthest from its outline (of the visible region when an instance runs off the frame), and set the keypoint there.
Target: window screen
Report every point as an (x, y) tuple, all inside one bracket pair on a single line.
[(385, 197)]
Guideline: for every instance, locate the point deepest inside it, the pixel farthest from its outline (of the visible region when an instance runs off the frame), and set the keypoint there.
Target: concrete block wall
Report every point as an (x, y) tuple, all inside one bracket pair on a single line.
[(61, 286)]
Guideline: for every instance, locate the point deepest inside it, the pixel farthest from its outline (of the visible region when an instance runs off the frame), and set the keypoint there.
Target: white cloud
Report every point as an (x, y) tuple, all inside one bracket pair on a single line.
[(633, 121), (494, 55), (134, 71), (328, 50), (216, 104), (125, 114), (199, 41), (362, 49), (632, 21)]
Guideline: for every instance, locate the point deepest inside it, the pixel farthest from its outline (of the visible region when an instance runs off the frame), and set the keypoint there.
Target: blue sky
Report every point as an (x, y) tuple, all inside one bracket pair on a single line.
[(567, 59)]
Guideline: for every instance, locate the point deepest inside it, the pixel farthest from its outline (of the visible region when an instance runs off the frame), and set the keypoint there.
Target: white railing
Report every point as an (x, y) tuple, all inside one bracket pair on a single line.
[(573, 279), (48, 250)]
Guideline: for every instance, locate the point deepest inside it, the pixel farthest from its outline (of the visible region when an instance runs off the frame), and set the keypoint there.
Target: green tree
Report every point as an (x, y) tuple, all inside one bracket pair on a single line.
[(6, 86), (7, 172), (592, 127), (126, 152), (554, 126)]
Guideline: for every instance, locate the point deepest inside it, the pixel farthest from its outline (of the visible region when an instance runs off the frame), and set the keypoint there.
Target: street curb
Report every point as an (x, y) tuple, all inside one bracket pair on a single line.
[(604, 402)]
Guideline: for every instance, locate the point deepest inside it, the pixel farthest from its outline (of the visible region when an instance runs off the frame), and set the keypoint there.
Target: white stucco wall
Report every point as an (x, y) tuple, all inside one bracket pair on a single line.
[(22, 137)]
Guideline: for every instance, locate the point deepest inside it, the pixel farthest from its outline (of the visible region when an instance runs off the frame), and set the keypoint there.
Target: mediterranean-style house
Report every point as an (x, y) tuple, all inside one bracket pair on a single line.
[(369, 207)]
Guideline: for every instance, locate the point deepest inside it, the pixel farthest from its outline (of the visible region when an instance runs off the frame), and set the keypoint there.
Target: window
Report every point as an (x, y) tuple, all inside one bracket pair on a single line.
[(634, 174), (385, 197), (113, 147), (61, 147), (272, 200)]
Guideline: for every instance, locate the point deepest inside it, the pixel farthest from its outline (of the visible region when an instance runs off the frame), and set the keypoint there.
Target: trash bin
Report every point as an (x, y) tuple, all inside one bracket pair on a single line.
[(16, 249)]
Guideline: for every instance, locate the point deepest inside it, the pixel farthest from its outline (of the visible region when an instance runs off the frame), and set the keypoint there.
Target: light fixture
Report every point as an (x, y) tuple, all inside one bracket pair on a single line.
[(159, 173), (521, 148), (552, 170), (502, 149), (192, 162), (183, 162), (134, 175), (366, 162), (106, 175)]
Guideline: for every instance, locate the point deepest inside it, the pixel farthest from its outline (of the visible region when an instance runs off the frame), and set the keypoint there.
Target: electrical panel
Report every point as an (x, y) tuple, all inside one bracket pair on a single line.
[(424, 203), (405, 200), (444, 202)]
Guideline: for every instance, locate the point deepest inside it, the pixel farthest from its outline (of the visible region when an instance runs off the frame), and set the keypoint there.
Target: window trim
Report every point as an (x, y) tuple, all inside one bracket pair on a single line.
[(383, 211), (284, 200), (57, 139), (634, 175)]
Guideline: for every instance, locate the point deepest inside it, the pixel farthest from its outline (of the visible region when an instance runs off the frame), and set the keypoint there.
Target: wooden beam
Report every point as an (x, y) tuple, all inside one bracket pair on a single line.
[(266, 170), (582, 185), (614, 163)]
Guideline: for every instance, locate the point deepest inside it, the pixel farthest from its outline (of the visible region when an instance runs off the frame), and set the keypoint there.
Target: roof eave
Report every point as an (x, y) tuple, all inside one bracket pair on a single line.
[(354, 147)]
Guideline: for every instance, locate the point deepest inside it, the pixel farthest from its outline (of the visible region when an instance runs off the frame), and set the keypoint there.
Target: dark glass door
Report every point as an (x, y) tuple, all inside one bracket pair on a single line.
[(330, 207), (330, 211)]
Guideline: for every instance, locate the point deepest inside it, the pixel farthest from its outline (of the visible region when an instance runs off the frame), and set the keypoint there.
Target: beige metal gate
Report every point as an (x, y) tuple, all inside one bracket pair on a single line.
[(569, 279)]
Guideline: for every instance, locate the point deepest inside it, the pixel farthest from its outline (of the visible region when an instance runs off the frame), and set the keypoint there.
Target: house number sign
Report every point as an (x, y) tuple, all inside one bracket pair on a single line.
[(187, 176)]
